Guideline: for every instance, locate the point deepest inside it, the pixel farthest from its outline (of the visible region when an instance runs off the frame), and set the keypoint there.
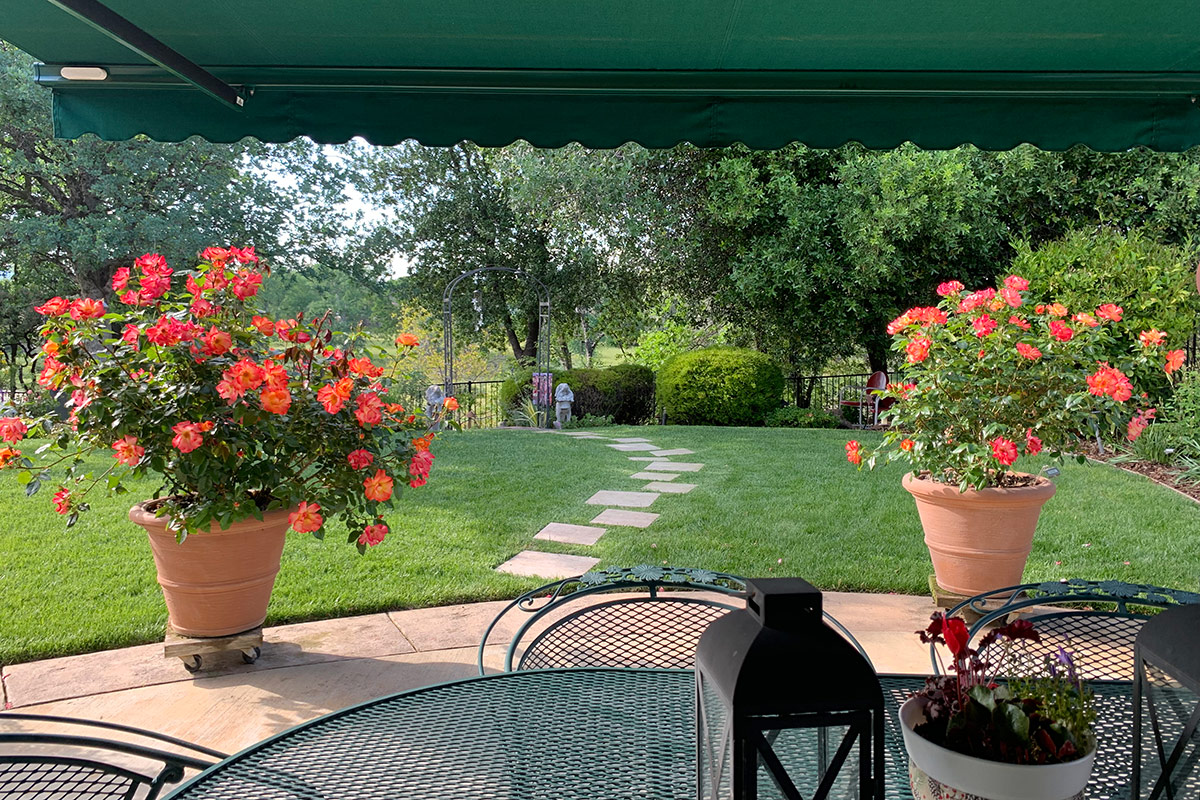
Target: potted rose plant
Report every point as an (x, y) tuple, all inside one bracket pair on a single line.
[(990, 375), (972, 733), (253, 425)]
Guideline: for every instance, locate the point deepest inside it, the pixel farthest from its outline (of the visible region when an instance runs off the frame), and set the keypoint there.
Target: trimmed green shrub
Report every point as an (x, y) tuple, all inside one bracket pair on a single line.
[(624, 392), (719, 386), (792, 417)]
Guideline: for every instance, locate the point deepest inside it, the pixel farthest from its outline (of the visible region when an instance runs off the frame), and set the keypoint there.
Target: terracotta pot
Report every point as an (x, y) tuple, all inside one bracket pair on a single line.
[(979, 539), (936, 773), (217, 582)]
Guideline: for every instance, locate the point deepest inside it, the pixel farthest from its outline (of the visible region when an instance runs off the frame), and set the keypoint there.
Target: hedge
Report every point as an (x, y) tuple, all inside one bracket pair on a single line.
[(719, 386), (624, 392)]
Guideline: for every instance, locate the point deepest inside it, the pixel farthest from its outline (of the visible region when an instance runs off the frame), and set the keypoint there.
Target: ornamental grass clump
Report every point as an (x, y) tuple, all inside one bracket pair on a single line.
[(1046, 717), (236, 412), (990, 375)]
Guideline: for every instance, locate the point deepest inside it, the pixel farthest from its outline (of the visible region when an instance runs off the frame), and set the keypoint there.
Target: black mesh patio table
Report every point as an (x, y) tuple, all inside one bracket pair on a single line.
[(586, 734)]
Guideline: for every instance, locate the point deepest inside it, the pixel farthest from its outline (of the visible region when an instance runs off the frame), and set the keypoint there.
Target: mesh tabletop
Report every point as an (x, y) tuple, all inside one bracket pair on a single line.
[(585, 734)]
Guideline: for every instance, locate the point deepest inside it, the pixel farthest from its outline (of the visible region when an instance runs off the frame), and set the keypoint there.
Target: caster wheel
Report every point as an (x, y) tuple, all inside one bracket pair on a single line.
[(192, 663), (250, 656)]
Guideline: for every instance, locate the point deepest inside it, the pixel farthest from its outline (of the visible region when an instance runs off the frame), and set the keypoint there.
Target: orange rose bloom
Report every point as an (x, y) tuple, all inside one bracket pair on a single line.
[(379, 487), (277, 401), (1175, 359), (306, 518), (407, 340)]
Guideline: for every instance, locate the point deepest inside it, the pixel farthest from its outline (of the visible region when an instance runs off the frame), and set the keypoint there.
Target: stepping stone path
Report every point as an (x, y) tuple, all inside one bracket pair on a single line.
[(570, 534), (547, 565), (656, 468), (630, 519), (674, 466), (629, 499), (655, 476), (672, 488)]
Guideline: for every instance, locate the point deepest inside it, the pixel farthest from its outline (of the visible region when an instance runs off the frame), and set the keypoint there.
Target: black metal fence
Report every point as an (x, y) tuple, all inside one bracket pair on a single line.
[(479, 404), (822, 391)]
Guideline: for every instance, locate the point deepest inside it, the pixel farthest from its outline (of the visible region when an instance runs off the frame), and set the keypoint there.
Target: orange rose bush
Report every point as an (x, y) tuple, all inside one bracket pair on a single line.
[(237, 413), (991, 375)]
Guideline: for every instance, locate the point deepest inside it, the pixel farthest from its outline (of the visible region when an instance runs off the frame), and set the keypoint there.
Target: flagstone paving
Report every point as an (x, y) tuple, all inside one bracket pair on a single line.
[(319, 667), (674, 466), (634, 447), (536, 564), (630, 439), (678, 451), (644, 458), (570, 534), (621, 517), (630, 499), (655, 476), (671, 488)]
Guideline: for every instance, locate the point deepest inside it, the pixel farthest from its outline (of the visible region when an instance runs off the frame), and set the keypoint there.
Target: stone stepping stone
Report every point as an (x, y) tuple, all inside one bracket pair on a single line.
[(629, 519), (655, 476), (672, 488), (674, 466), (547, 565), (634, 447), (679, 451), (570, 534), (644, 458), (631, 499), (628, 440)]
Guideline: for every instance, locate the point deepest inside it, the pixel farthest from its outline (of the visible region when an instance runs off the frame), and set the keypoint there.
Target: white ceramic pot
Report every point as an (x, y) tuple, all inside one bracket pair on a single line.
[(936, 773)]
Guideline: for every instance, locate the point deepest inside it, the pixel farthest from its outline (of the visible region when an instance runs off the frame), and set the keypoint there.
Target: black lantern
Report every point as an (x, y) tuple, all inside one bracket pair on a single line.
[(786, 706)]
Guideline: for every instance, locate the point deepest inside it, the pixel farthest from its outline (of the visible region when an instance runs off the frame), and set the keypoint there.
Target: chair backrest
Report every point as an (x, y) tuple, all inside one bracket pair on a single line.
[(878, 380), (642, 617), (58, 758), (1096, 621)]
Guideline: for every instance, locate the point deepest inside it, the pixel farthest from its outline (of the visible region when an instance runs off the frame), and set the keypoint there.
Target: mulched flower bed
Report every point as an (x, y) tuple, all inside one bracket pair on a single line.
[(1167, 476)]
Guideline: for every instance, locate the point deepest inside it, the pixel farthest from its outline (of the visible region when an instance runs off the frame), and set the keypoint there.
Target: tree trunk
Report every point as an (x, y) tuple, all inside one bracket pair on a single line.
[(566, 354), (878, 348)]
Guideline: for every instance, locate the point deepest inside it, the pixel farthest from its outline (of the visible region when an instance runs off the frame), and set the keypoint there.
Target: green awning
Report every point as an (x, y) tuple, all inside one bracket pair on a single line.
[(1110, 74)]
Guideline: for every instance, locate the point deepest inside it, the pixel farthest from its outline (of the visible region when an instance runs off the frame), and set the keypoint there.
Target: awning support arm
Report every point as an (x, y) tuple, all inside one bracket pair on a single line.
[(131, 36)]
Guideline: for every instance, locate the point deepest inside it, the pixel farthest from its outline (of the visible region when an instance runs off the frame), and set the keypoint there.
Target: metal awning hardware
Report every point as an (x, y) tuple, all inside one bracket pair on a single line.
[(83, 73), (131, 36)]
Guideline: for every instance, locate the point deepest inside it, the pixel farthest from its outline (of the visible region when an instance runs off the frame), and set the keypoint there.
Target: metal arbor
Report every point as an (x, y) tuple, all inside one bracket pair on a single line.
[(542, 400)]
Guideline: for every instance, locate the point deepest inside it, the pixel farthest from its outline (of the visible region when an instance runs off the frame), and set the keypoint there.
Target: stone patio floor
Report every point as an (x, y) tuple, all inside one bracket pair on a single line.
[(313, 668)]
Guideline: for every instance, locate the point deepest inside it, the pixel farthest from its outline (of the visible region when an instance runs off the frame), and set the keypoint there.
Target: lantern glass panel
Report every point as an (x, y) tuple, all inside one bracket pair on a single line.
[(806, 755)]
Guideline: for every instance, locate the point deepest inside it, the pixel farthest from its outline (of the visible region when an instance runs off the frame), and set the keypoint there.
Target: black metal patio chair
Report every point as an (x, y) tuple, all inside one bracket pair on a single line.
[(58, 758), (640, 617), (1096, 621)]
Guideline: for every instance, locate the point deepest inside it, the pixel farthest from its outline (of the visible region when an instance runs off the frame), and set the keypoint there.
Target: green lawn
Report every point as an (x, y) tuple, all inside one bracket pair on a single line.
[(769, 501)]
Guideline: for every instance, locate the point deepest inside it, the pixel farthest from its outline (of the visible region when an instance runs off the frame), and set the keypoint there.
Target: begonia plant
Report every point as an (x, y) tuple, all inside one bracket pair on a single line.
[(236, 412), (992, 374)]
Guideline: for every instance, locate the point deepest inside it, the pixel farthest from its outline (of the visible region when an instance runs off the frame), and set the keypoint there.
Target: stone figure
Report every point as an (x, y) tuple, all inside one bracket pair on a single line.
[(563, 397), (434, 397)]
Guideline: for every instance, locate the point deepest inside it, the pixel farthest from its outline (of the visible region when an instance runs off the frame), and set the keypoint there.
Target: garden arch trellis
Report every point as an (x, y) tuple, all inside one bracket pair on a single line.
[(542, 352)]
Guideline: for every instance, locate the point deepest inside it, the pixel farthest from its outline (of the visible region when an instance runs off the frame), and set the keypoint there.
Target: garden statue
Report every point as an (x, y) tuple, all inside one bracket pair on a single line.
[(434, 399), (563, 397)]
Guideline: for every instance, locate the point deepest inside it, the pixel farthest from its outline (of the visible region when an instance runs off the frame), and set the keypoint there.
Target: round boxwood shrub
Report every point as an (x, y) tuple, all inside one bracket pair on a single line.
[(624, 392), (719, 386)]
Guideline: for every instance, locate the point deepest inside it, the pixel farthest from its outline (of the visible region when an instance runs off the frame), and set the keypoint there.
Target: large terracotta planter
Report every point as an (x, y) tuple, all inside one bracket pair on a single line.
[(979, 540), (217, 582), (936, 773)]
